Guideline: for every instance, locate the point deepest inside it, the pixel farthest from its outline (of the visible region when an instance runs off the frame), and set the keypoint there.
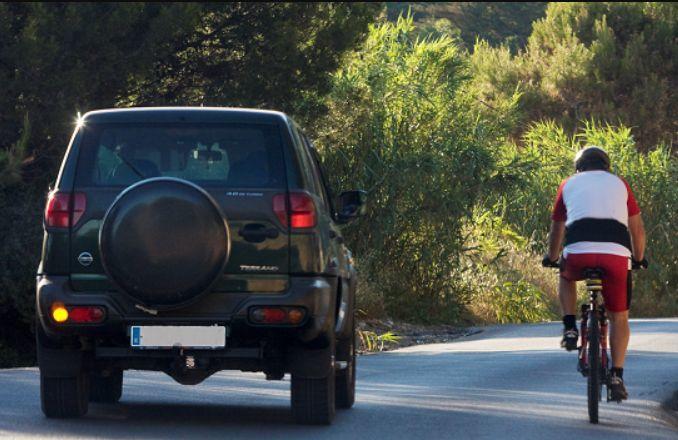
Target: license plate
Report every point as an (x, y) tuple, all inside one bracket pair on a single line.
[(177, 336)]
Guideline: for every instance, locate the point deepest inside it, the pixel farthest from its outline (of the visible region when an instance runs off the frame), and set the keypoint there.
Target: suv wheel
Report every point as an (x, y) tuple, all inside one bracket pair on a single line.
[(345, 379), (63, 397), (105, 388), (313, 400)]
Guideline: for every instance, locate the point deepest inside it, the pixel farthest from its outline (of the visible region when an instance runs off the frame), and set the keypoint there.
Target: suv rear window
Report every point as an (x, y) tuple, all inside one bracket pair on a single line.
[(234, 155)]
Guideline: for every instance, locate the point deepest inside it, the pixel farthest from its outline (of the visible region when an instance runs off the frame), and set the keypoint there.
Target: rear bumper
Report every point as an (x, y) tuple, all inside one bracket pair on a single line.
[(316, 294)]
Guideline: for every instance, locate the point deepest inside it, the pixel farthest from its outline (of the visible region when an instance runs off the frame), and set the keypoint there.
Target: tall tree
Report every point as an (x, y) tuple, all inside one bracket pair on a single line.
[(60, 58), (257, 54), (609, 61)]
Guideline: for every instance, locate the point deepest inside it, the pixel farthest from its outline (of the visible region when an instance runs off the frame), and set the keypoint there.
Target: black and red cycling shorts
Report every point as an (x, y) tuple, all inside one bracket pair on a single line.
[(616, 278)]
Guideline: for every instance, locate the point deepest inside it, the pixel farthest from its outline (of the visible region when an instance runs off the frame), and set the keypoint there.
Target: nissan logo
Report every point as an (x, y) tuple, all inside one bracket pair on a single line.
[(85, 259)]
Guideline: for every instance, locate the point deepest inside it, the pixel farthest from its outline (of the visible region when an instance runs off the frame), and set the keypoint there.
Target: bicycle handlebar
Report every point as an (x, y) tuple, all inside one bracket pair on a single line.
[(642, 264), (635, 265), (547, 262)]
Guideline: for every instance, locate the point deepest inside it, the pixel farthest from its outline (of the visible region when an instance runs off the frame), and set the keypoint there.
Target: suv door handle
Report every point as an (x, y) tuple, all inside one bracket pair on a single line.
[(256, 232)]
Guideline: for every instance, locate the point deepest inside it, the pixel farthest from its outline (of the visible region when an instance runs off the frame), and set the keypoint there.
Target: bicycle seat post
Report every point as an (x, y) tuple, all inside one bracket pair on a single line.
[(594, 285)]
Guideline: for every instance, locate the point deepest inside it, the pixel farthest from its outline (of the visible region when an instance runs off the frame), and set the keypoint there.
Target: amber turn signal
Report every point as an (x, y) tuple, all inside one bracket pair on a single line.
[(295, 316), (59, 312)]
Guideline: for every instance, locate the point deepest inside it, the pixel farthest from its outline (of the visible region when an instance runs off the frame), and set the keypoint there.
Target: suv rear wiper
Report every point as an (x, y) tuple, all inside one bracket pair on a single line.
[(129, 164)]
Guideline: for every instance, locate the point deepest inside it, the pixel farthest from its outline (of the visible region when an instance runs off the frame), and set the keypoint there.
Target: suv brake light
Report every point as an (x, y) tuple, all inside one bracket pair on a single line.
[(60, 206), (301, 212), (77, 314)]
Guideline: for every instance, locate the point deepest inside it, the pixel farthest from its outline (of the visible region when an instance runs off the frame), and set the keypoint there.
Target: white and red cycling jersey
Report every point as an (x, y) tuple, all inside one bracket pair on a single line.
[(595, 206)]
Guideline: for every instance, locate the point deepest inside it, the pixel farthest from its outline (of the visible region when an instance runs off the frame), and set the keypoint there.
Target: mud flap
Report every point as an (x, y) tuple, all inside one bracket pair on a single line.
[(310, 363), (54, 362)]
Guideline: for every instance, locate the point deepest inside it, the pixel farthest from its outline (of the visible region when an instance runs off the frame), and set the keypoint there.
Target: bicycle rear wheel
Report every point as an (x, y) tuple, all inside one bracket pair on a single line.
[(594, 380)]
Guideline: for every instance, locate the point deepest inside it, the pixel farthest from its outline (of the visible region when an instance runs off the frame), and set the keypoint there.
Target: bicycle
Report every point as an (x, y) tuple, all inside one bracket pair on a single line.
[(594, 362)]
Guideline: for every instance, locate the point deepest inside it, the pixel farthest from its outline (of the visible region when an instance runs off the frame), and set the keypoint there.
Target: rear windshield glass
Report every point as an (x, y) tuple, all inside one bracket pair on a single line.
[(235, 155)]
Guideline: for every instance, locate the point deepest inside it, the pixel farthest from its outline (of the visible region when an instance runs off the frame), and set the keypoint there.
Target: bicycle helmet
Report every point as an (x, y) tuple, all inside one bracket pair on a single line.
[(591, 158)]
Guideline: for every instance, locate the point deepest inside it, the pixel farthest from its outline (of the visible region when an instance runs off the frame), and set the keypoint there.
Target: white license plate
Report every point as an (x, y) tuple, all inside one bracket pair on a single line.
[(175, 336)]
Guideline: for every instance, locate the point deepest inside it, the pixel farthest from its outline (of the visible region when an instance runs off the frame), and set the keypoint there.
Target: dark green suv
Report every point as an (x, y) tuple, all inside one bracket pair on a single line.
[(193, 240)]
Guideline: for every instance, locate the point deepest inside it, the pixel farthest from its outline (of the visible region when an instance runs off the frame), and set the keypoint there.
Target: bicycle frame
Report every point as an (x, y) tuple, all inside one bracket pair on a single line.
[(596, 304), (594, 317)]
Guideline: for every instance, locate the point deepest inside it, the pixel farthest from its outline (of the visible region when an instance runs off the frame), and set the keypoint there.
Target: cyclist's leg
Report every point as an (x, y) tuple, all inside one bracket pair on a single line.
[(619, 337), (571, 267), (570, 273), (567, 292), (615, 290), (619, 341)]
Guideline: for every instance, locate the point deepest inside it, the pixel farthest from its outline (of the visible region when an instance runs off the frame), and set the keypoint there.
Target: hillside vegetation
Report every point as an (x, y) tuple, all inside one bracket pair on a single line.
[(508, 23)]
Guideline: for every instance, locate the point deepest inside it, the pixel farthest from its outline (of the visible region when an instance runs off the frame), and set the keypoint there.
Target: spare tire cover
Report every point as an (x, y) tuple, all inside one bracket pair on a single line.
[(164, 242)]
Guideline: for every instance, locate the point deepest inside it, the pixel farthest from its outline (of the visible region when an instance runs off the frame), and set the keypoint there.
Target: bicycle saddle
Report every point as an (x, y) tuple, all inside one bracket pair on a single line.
[(594, 273)]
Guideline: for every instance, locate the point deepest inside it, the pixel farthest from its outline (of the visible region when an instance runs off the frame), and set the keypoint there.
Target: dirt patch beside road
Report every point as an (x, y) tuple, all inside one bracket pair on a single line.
[(378, 335)]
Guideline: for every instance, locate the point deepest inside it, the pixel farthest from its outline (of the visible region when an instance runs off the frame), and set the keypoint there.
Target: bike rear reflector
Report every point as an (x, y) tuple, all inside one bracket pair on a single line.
[(60, 207), (59, 312), (77, 314), (277, 315)]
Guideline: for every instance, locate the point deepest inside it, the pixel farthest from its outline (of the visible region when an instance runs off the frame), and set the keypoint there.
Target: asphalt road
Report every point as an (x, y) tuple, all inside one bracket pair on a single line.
[(504, 383)]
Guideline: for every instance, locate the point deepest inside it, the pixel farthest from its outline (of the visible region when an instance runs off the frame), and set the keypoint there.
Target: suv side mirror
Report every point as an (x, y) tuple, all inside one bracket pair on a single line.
[(351, 205)]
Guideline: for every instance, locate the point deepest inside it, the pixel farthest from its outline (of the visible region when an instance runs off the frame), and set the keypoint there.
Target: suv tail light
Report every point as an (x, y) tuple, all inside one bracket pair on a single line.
[(277, 315), (86, 314), (301, 213), (77, 314), (64, 206)]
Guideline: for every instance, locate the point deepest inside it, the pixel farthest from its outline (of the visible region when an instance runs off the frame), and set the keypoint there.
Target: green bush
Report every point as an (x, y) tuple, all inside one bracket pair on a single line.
[(613, 61), (402, 125)]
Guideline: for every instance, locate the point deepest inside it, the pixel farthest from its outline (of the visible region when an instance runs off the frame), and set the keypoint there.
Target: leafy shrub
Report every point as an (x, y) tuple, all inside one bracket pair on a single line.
[(402, 126), (371, 341), (518, 302)]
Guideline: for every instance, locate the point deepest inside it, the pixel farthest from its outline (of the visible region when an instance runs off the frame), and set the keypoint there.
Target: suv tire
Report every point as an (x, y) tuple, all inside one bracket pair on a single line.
[(345, 379), (64, 397), (313, 400), (105, 389)]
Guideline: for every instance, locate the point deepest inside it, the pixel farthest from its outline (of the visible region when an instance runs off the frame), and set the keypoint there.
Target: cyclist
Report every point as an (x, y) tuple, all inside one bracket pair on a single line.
[(596, 214)]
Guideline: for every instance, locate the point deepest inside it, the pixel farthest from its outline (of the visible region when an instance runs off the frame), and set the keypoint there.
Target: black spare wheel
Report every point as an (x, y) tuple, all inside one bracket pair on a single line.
[(164, 242)]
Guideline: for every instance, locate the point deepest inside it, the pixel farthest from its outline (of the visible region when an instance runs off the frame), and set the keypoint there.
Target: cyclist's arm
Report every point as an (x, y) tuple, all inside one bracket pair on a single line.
[(637, 231), (556, 235), (636, 228), (558, 218)]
